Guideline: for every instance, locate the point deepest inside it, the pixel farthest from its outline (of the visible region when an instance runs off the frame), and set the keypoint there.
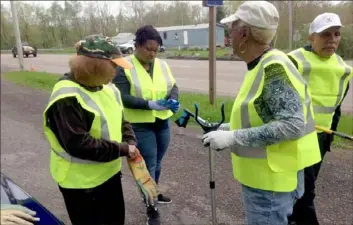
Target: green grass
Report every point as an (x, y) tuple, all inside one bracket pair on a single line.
[(220, 52), (64, 51), (45, 81), (345, 126), (37, 80)]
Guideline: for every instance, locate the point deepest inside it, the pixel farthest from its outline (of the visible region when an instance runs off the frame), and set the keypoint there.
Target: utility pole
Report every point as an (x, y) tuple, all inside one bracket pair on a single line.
[(212, 4), (17, 34), (212, 54), (290, 25)]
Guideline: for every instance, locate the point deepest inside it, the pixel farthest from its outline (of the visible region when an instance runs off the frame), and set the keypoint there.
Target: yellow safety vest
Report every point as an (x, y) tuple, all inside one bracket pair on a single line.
[(143, 86), (72, 172), (327, 80), (273, 167)]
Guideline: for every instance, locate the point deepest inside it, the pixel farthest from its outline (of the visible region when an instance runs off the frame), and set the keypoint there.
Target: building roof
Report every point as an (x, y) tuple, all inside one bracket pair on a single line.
[(185, 27)]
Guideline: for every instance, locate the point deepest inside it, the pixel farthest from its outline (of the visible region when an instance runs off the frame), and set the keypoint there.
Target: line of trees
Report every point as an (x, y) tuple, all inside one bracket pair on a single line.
[(59, 26)]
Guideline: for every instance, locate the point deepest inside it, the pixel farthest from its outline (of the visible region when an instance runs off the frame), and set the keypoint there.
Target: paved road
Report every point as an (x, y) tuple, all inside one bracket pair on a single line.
[(25, 154), (191, 75)]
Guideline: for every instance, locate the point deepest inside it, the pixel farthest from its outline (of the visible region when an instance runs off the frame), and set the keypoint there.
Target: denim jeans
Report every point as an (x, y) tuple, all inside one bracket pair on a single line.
[(269, 207), (153, 141)]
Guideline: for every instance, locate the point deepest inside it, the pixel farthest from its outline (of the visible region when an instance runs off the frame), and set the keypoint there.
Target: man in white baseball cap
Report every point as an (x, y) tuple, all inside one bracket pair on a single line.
[(270, 141), (323, 22), (328, 78)]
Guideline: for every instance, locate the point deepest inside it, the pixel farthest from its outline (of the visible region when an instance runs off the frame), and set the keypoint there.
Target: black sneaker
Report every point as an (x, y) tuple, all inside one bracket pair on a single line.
[(162, 199), (153, 217)]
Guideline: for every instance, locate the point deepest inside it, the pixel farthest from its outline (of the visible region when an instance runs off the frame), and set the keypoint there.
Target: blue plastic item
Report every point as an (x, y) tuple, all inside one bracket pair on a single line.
[(11, 193)]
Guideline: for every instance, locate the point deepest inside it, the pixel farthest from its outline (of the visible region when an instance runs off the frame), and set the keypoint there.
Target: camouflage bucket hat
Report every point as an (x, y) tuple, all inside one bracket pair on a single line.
[(98, 46)]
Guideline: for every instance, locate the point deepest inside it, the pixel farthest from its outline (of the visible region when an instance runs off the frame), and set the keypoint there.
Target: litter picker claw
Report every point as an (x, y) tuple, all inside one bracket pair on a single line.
[(206, 127)]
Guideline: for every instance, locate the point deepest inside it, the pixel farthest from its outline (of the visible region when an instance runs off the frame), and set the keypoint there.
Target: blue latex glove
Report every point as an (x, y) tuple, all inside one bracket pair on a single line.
[(162, 102), (173, 105), (157, 105)]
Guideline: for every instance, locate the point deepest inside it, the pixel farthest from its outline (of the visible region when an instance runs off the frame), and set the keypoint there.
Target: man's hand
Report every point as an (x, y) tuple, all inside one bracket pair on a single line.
[(218, 140), (133, 152), (17, 215)]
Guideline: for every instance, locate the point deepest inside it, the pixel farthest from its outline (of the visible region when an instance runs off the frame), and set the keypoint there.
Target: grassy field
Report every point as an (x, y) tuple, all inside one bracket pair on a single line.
[(45, 81), (220, 52)]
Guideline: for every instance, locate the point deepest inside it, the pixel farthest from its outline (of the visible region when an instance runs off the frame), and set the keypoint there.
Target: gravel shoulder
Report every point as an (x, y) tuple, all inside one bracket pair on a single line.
[(25, 158)]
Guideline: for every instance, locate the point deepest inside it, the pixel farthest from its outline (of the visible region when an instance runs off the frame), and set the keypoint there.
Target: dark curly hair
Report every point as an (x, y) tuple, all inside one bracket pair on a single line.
[(145, 33)]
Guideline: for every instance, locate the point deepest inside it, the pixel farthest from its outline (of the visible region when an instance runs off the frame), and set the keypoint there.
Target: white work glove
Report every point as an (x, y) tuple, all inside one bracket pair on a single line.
[(17, 215), (218, 140)]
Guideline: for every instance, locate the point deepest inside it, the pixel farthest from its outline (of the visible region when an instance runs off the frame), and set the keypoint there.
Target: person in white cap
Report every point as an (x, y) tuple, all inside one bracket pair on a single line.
[(271, 133), (328, 78)]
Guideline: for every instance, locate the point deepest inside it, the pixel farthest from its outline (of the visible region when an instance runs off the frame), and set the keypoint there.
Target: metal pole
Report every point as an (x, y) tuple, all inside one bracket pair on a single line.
[(212, 54), (290, 25), (212, 186), (17, 34)]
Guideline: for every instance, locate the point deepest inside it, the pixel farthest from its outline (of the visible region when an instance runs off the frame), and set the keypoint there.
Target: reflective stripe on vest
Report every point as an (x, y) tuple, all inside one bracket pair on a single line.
[(136, 80), (306, 73), (93, 105), (260, 152)]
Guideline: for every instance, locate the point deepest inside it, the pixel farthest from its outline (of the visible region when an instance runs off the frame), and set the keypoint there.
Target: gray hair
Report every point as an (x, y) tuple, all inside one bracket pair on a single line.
[(260, 35)]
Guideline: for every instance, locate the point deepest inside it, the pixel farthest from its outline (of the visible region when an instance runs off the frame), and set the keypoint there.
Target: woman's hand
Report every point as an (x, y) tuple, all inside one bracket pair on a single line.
[(133, 152), (157, 105)]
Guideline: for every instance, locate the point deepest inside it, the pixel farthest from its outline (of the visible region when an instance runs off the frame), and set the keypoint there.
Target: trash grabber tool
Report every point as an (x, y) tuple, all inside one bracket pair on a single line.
[(337, 133), (206, 127)]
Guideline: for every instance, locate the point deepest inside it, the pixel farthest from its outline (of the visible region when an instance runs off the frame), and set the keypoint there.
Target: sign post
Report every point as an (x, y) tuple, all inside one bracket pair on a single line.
[(296, 38), (212, 4), (17, 34)]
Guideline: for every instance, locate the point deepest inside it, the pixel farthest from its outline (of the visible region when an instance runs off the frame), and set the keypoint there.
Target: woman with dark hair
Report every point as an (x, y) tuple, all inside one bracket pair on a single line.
[(88, 135), (150, 97)]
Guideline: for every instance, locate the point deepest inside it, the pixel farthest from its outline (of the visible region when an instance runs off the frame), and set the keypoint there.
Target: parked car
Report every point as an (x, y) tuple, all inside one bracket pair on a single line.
[(26, 48), (11, 193), (162, 48), (128, 47)]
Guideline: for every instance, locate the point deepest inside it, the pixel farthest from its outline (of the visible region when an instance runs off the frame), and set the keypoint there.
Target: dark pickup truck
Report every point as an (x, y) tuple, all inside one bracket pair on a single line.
[(26, 48)]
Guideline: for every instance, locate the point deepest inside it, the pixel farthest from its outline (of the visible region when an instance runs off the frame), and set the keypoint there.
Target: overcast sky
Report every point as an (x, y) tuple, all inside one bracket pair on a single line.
[(113, 4)]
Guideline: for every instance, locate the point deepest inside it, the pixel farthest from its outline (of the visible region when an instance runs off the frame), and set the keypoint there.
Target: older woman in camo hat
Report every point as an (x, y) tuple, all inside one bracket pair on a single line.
[(88, 136)]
